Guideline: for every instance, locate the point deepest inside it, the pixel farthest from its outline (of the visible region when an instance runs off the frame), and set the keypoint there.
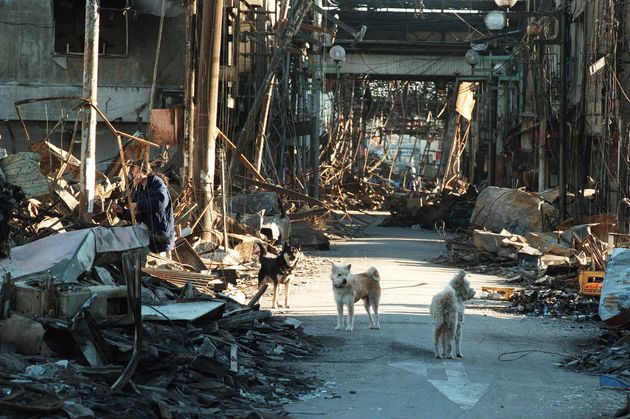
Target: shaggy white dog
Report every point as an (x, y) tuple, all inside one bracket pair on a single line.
[(447, 312)]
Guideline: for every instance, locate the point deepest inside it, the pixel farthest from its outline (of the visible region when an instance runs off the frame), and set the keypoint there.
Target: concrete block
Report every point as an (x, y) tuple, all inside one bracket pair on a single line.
[(22, 169)]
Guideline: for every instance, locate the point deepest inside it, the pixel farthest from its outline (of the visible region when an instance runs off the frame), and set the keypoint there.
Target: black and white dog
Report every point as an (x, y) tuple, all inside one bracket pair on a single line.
[(278, 270)]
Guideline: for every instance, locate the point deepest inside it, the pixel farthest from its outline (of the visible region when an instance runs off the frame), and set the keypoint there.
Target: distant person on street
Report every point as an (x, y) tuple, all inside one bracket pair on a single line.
[(151, 204), (412, 183)]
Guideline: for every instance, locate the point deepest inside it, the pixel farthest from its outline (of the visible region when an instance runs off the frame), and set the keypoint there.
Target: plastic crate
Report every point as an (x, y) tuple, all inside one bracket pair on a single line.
[(591, 282)]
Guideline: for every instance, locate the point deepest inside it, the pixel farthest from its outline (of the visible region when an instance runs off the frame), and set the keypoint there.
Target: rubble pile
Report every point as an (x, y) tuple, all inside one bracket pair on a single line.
[(86, 330), (92, 323), (609, 355), (235, 366), (510, 236), (427, 208), (554, 303)]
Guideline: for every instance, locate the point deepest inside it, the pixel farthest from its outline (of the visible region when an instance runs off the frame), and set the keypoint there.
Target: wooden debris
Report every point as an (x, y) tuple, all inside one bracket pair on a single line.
[(202, 282)]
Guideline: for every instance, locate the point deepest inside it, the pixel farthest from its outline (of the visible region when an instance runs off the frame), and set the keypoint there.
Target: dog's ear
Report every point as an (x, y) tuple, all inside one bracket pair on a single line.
[(348, 267)]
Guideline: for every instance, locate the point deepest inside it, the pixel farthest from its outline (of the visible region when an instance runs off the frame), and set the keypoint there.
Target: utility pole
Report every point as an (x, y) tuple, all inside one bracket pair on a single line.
[(209, 150), (189, 91), (316, 122), (88, 134), (562, 120)]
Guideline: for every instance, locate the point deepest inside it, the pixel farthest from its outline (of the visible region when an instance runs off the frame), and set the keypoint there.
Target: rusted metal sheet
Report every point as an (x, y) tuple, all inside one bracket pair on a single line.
[(166, 125), (614, 303), (186, 255)]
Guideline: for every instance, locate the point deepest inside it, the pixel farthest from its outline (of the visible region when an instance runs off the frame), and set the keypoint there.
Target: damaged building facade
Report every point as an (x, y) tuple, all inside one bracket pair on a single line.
[(43, 46)]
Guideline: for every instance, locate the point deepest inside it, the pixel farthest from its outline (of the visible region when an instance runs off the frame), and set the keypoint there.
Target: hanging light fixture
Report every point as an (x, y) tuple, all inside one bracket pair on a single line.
[(495, 20), (506, 3)]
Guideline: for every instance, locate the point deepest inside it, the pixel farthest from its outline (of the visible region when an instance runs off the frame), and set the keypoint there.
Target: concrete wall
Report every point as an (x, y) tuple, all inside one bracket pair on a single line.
[(29, 67)]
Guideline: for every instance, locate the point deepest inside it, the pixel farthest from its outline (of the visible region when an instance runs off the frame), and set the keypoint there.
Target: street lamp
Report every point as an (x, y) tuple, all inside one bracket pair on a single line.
[(472, 57), (338, 55), (495, 20), (506, 3)]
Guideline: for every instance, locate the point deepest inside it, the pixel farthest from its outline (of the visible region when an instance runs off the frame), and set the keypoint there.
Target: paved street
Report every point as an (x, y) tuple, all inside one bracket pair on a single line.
[(508, 369)]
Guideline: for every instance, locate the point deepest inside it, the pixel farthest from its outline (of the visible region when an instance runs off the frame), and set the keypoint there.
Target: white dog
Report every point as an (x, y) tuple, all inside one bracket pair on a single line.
[(447, 311), (350, 288)]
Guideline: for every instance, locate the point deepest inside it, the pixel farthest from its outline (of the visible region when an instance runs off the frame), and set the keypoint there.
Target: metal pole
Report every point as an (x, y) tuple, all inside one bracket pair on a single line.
[(494, 129), (262, 129), (316, 121), (315, 157), (90, 84), (562, 178), (542, 130), (213, 102)]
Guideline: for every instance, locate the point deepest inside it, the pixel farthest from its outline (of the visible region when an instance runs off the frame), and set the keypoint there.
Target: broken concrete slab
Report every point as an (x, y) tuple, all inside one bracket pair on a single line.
[(489, 241), (614, 303), (548, 260), (511, 209), (549, 243), (68, 255), (22, 169), (529, 250)]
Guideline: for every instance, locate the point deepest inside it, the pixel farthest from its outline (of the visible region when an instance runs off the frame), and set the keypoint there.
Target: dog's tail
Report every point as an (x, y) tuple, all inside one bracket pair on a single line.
[(263, 251), (373, 273)]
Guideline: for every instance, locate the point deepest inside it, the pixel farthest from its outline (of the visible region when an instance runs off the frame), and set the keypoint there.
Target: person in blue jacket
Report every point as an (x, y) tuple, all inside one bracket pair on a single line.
[(151, 204)]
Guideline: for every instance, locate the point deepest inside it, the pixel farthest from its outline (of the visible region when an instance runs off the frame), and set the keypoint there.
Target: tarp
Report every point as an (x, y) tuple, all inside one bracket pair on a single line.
[(68, 255), (614, 302)]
